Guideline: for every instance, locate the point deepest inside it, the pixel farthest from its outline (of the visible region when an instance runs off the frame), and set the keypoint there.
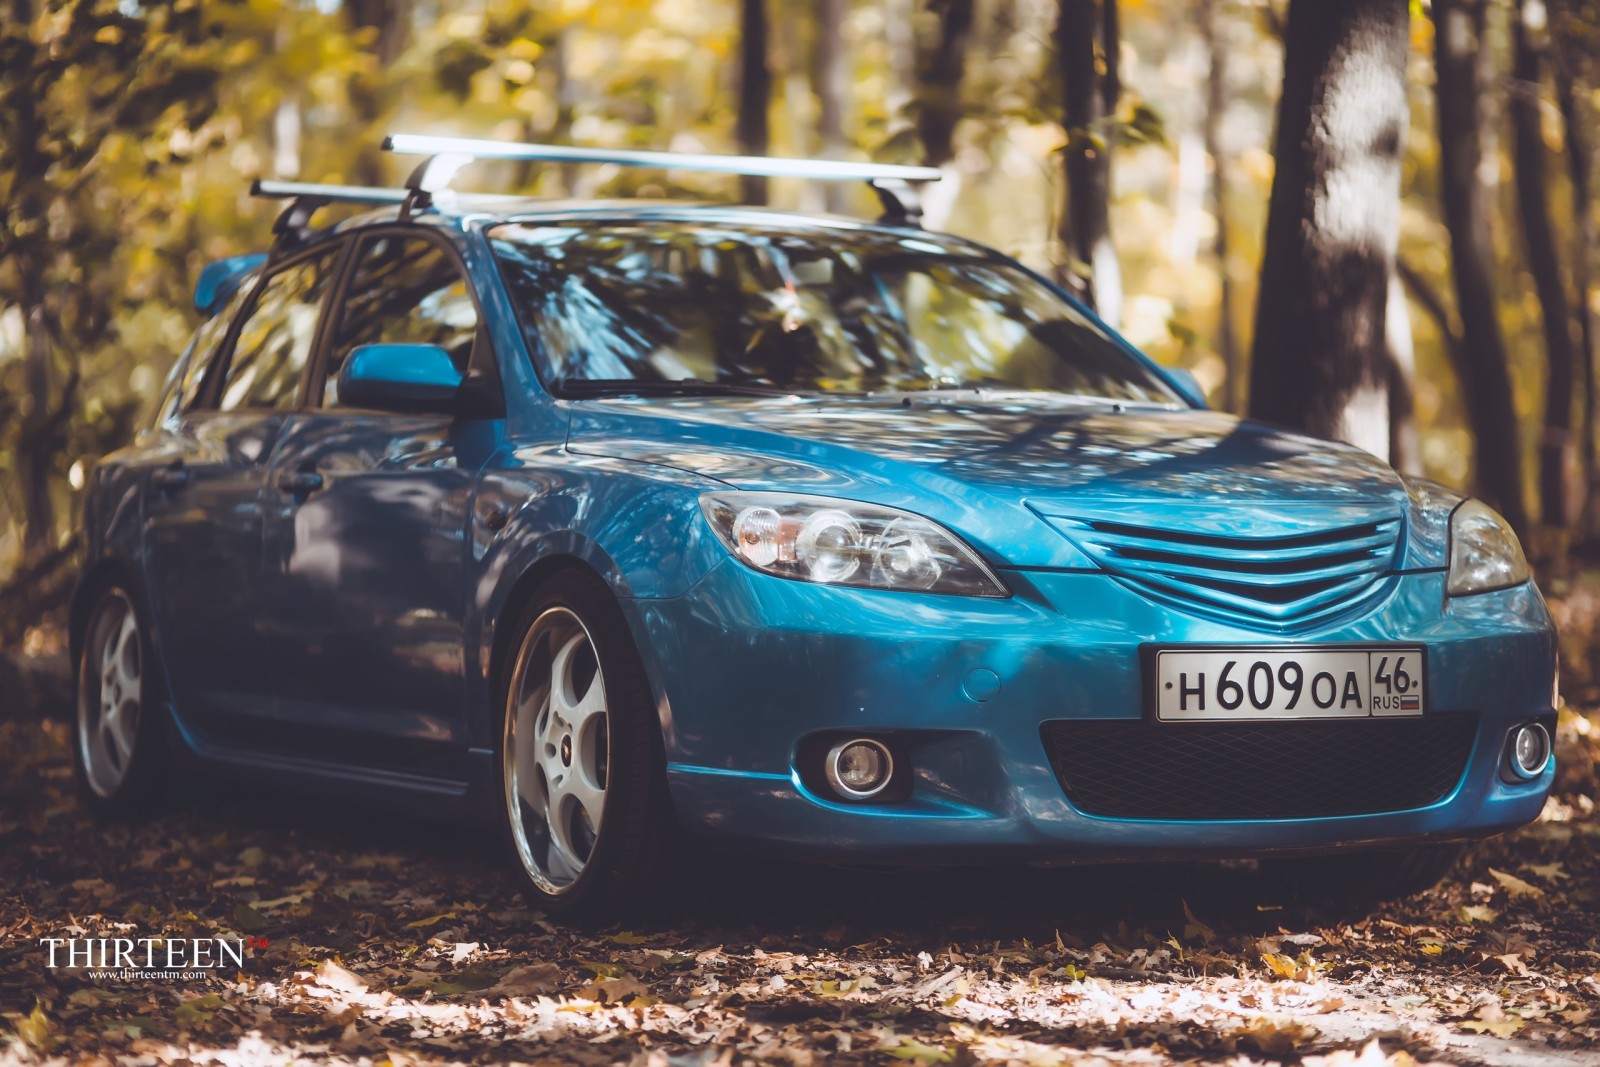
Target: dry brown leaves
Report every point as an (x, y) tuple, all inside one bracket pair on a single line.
[(392, 942)]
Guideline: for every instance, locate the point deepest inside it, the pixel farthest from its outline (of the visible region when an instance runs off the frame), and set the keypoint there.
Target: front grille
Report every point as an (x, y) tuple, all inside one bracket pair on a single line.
[(1272, 582), (1268, 770)]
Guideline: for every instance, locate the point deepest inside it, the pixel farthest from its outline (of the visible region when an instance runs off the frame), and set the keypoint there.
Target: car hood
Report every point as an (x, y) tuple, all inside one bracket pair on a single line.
[(973, 464)]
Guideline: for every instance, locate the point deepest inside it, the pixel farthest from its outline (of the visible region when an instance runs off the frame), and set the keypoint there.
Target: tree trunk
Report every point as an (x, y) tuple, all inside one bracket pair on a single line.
[(1405, 441), (1492, 411), (1556, 456), (940, 68), (1574, 117), (900, 37), (388, 21), (830, 81), (34, 447), (1216, 104), (1086, 39), (755, 92), (1321, 361)]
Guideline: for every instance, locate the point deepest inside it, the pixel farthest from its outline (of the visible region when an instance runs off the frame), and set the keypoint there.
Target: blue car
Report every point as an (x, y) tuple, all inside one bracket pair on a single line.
[(835, 539)]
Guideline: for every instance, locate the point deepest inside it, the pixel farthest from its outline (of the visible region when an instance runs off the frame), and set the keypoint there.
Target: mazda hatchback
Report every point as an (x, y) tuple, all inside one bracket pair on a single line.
[(840, 540)]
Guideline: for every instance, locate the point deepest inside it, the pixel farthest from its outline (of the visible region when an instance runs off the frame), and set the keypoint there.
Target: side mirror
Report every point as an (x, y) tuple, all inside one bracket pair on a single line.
[(220, 279), (395, 377), (1184, 381)]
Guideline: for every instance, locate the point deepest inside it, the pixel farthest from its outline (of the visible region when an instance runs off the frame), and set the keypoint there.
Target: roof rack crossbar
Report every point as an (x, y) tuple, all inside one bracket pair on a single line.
[(293, 225), (755, 166), (894, 184), (348, 194)]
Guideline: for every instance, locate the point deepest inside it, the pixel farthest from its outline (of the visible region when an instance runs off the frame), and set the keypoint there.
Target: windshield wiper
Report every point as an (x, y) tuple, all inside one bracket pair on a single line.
[(596, 387)]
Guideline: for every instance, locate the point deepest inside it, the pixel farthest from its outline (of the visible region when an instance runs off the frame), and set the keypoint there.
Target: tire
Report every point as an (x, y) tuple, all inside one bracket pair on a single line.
[(119, 748), (579, 738), (1362, 879)]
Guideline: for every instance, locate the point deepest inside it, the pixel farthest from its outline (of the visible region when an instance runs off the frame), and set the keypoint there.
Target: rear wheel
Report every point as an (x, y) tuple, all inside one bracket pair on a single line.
[(117, 746), (582, 773), (1362, 878)]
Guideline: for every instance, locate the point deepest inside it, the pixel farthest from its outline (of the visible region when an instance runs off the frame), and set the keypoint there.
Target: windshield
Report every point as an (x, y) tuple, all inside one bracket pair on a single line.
[(747, 308)]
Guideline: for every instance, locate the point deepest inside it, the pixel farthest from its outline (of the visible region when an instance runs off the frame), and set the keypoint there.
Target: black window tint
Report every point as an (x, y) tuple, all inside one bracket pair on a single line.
[(405, 290), (207, 342), (819, 310), (275, 341)]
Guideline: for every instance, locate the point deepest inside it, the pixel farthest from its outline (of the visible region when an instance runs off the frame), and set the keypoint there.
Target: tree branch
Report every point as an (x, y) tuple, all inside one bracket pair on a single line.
[(1430, 300)]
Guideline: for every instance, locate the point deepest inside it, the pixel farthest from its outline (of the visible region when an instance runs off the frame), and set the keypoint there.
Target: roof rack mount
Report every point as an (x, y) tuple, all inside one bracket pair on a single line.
[(293, 225), (895, 184)]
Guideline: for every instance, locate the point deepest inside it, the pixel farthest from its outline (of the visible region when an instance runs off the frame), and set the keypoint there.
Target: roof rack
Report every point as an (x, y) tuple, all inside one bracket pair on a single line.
[(895, 184), (293, 226)]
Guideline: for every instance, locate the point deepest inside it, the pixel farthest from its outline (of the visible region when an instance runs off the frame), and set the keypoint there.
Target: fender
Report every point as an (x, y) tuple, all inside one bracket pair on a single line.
[(637, 526)]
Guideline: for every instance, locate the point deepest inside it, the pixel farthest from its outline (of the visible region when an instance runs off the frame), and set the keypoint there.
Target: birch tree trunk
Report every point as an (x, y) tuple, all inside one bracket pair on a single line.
[(1321, 361)]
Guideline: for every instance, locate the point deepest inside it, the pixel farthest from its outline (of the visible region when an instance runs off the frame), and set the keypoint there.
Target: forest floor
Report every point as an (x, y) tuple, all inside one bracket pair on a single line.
[(388, 940)]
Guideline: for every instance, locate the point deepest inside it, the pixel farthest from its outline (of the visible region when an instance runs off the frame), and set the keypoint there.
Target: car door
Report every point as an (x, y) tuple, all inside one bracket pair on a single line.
[(367, 560), (203, 508)]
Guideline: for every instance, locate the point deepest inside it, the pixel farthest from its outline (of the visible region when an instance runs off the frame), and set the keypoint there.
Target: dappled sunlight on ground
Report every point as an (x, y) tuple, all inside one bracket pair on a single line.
[(392, 940)]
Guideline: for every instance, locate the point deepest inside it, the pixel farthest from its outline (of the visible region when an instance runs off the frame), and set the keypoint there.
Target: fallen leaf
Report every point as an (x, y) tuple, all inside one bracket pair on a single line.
[(1280, 965), (1475, 913), (1272, 1037), (197, 1011), (1498, 1027), (35, 1030), (333, 976), (1515, 886), (248, 919), (1550, 872), (612, 991), (917, 1052), (528, 981)]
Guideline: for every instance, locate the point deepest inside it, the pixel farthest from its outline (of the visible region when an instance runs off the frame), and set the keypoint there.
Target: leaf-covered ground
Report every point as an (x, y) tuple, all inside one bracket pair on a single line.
[(388, 940)]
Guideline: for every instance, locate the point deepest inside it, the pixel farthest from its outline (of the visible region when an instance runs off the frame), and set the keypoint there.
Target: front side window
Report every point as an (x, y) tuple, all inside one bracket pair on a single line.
[(275, 341), (813, 310), (405, 290)]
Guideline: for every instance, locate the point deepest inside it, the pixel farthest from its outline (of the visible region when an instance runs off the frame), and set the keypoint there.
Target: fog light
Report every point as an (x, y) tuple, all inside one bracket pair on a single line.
[(1530, 749), (860, 768)]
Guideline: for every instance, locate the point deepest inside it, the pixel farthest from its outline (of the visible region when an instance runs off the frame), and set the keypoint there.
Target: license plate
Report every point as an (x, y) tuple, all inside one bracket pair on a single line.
[(1244, 684)]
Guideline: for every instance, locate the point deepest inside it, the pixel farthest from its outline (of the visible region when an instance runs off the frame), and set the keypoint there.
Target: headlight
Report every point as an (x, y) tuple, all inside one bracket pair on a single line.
[(841, 542), (1484, 552)]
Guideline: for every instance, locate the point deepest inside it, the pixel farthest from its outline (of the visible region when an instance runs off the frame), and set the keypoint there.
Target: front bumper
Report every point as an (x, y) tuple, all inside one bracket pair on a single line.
[(749, 666)]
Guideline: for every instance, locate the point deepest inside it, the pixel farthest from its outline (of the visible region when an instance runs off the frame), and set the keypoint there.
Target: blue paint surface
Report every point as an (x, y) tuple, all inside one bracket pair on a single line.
[(351, 634)]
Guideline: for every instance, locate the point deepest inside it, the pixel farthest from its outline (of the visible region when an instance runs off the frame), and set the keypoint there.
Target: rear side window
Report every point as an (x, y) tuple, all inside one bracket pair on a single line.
[(405, 290), (275, 341), (189, 373)]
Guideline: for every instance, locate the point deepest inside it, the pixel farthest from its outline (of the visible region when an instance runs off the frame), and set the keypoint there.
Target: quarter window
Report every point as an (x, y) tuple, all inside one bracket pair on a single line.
[(275, 341), (405, 290)]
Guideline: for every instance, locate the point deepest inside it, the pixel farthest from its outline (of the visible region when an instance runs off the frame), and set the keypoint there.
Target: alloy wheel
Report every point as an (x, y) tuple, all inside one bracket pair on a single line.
[(556, 750), (110, 693)]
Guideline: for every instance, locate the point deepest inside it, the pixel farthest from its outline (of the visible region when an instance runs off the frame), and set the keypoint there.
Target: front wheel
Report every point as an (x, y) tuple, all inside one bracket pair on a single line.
[(581, 767)]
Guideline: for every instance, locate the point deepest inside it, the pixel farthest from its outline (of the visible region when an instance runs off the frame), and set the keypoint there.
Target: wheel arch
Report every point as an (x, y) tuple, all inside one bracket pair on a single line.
[(96, 576), (499, 619)]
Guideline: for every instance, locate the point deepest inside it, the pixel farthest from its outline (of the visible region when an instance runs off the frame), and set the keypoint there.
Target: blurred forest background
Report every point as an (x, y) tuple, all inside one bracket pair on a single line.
[(1424, 286)]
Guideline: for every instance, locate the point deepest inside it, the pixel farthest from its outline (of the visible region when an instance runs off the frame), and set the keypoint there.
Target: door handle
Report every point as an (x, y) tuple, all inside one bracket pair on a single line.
[(172, 476), (299, 483)]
